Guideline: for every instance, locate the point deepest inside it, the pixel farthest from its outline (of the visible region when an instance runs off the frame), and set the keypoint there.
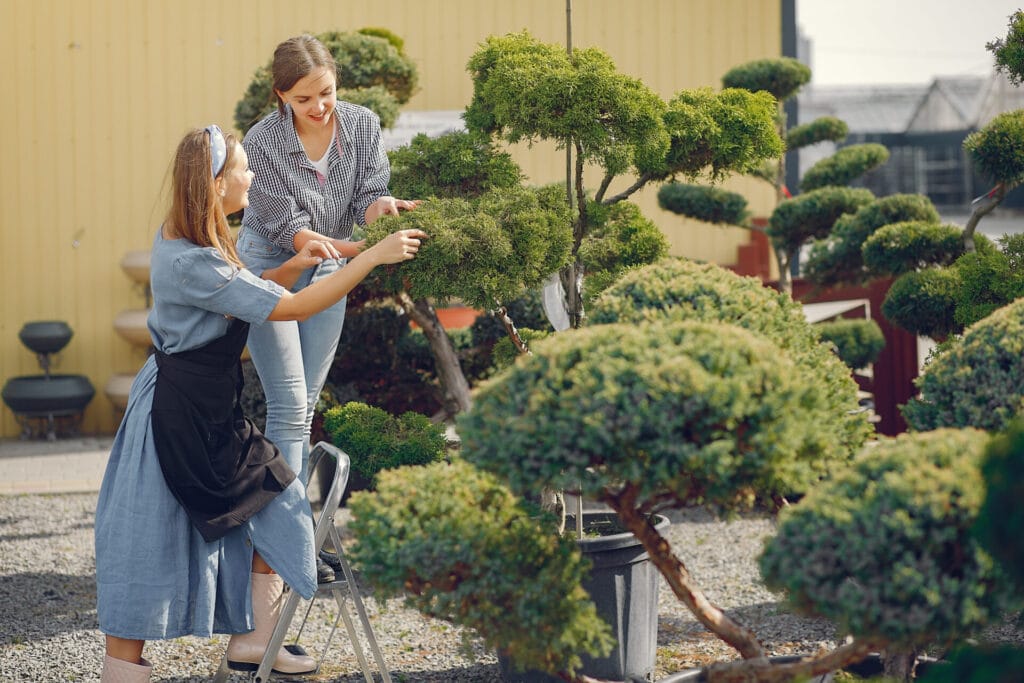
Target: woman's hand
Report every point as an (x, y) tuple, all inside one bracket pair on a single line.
[(348, 248), (398, 246), (313, 253), (389, 206)]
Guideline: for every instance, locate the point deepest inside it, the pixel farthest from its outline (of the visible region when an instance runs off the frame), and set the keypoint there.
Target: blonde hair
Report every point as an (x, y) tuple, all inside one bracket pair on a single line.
[(196, 212)]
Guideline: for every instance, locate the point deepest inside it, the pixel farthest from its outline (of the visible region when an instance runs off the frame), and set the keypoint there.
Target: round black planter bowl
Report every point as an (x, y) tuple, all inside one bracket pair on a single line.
[(40, 396), (45, 336)]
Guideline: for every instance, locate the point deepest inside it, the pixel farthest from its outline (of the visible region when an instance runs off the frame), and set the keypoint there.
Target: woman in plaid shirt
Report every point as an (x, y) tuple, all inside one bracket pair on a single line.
[(320, 168)]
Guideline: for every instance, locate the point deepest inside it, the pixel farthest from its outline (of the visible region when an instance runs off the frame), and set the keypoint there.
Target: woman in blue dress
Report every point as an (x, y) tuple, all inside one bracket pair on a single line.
[(200, 521)]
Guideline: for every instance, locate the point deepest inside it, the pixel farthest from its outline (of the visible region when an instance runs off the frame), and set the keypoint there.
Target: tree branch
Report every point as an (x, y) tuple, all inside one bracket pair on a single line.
[(625, 194)]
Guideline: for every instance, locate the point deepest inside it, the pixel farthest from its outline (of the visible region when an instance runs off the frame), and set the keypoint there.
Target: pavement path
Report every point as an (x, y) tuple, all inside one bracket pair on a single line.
[(68, 465)]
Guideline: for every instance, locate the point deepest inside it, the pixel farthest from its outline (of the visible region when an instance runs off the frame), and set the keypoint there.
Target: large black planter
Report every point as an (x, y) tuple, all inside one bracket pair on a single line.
[(40, 395), (45, 336), (623, 583), (869, 667)]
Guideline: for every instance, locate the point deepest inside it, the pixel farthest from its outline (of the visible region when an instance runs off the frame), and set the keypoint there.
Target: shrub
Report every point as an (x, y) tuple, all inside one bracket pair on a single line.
[(455, 164), (458, 546), (844, 166), (990, 278), (997, 150), (704, 203), (903, 247), (924, 302), (682, 289), (781, 76), (812, 214), (858, 341), (990, 664), (375, 440), (978, 382), (837, 259), (819, 130), (884, 549), (680, 412)]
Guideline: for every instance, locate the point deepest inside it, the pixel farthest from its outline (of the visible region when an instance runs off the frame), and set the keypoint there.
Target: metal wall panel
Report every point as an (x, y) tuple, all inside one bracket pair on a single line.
[(100, 91)]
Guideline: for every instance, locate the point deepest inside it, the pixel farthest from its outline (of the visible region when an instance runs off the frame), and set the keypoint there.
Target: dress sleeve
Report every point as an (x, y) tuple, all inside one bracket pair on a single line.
[(270, 199), (205, 280), (376, 173)]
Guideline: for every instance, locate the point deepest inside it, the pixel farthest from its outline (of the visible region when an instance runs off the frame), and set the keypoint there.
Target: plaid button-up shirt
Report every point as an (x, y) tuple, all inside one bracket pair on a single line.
[(288, 194)]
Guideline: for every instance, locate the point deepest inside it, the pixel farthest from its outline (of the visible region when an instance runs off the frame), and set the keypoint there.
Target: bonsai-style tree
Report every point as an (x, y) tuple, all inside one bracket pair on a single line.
[(373, 71), (857, 341), (885, 548), (525, 90), (825, 198), (676, 406)]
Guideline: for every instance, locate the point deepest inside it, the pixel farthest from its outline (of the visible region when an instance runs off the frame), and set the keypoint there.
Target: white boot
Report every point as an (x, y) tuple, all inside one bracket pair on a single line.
[(245, 650), (119, 671)]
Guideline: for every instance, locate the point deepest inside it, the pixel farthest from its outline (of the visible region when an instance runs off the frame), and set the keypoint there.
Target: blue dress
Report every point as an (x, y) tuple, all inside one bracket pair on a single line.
[(156, 577)]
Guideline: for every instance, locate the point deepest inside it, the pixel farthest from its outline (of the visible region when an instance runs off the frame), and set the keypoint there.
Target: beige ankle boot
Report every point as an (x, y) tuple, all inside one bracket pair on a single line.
[(119, 671), (245, 650)]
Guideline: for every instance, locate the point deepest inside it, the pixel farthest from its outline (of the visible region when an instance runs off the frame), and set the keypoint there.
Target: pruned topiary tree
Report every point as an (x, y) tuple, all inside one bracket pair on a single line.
[(857, 341), (885, 548)]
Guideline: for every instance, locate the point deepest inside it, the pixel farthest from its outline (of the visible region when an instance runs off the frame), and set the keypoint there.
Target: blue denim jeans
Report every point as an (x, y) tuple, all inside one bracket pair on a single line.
[(292, 358)]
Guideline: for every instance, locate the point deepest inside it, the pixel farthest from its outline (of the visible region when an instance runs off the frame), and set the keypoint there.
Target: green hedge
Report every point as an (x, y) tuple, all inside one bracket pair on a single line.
[(780, 76), (1000, 524), (884, 549), (845, 166), (903, 247), (924, 302), (978, 382), (819, 130), (704, 203), (812, 214)]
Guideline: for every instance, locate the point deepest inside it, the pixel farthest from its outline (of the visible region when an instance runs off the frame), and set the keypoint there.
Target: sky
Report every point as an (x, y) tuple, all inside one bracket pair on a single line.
[(901, 41)]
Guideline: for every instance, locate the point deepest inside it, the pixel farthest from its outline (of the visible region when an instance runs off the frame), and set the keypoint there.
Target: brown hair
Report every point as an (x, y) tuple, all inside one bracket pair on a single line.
[(296, 58), (196, 213)]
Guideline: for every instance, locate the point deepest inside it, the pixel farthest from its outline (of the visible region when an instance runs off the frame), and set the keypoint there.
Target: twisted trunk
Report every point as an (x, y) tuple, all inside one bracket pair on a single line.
[(454, 387)]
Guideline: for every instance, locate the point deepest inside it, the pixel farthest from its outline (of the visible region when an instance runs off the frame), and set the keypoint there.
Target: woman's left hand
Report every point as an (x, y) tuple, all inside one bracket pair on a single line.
[(389, 206)]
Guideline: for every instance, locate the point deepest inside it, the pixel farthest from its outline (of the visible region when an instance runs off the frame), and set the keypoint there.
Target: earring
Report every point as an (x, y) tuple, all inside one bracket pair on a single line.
[(221, 193)]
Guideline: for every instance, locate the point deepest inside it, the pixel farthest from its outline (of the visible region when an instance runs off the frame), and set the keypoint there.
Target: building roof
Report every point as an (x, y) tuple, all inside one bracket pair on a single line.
[(864, 108)]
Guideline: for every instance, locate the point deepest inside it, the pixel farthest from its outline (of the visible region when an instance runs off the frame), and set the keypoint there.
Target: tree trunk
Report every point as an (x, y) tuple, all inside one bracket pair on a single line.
[(899, 665), (454, 387)]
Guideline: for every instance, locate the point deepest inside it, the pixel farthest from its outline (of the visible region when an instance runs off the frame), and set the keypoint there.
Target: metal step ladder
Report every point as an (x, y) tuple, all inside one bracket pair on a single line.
[(342, 590)]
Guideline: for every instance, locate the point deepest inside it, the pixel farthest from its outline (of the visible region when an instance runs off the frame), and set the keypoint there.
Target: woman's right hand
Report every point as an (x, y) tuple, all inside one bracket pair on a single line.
[(398, 246)]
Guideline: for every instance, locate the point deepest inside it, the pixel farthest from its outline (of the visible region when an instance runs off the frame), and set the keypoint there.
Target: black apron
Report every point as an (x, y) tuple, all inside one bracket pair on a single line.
[(217, 464)]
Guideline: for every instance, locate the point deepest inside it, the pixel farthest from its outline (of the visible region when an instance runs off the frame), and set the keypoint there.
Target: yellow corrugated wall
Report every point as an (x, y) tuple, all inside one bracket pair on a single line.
[(98, 93)]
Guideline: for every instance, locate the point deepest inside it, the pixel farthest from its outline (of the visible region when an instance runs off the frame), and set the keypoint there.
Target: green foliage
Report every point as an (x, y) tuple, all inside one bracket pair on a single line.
[(704, 203), (845, 166), (781, 76), (858, 341), (366, 60), (505, 352), (376, 440), (989, 279), (923, 302), (483, 252), (456, 164), (1009, 51), (837, 259), (719, 133), (884, 549), (903, 247), (1001, 520), (818, 130), (397, 42), (620, 238), (680, 412), (527, 90), (988, 664), (377, 99), (978, 382), (812, 214), (997, 150), (458, 546), (682, 289), (526, 311)]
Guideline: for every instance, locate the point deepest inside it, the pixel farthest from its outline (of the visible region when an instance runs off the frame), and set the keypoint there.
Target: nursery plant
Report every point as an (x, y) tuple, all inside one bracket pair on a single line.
[(824, 197), (885, 548), (676, 406), (857, 341)]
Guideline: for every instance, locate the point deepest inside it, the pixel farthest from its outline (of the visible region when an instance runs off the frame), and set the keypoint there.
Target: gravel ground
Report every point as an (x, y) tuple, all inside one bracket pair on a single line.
[(48, 619)]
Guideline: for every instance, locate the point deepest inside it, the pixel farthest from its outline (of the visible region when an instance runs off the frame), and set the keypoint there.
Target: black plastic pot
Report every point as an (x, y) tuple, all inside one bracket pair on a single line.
[(870, 666), (39, 395), (623, 583), (45, 336)]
